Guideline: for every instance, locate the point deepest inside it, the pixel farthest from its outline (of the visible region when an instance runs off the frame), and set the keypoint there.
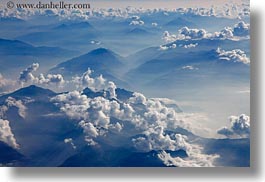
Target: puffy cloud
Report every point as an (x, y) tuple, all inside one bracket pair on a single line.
[(117, 127), (6, 134), (196, 158), (137, 22), (74, 104), (164, 47), (96, 84), (50, 79), (240, 124), (193, 33), (94, 113), (89, 129), (188, 46), (11, 102), (101, 111), (26, 76), (168, 37), (70, 141), (111, 87), (186, 33), (235, 55), (228, 11), (137, 98), (241, 29), (85, 80), (90, 141), (151, 118), (156, 139), (128, 110), (226, 33), (239, 127)]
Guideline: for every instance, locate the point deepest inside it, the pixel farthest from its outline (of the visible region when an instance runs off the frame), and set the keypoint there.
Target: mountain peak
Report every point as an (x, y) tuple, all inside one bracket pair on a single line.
[(179, 22), (82, 25), (101, 51), (138, 31), (32, 90)]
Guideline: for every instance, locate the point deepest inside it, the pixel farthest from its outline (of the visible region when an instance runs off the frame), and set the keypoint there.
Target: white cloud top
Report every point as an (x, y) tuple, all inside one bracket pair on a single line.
[(27, 77), (240, 30), (151, 118), (235, 55), (239, 127)]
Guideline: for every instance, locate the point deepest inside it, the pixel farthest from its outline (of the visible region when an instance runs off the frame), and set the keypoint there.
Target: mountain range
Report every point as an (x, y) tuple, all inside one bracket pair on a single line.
[(102, 61), (45, 120), (16, 55), (69, 35)]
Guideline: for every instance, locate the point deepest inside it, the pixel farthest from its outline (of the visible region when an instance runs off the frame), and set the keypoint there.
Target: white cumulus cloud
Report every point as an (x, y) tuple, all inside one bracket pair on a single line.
[(241, 29), (239, 127), (137, 22), (235, 55), (237, 32), (195, 158), (95, 84), (11, 102), (151, 118), (27, 74), (6, 134), (27, 77), (188, 33)]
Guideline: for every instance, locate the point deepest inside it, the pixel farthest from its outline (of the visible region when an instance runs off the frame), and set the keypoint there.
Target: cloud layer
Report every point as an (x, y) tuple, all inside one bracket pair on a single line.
[(238, 31), (226, 10), (138, 115)]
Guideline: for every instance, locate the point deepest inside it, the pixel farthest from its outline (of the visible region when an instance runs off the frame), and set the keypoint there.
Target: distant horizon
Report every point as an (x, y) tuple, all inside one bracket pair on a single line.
[(171, 4), (160, 3)]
